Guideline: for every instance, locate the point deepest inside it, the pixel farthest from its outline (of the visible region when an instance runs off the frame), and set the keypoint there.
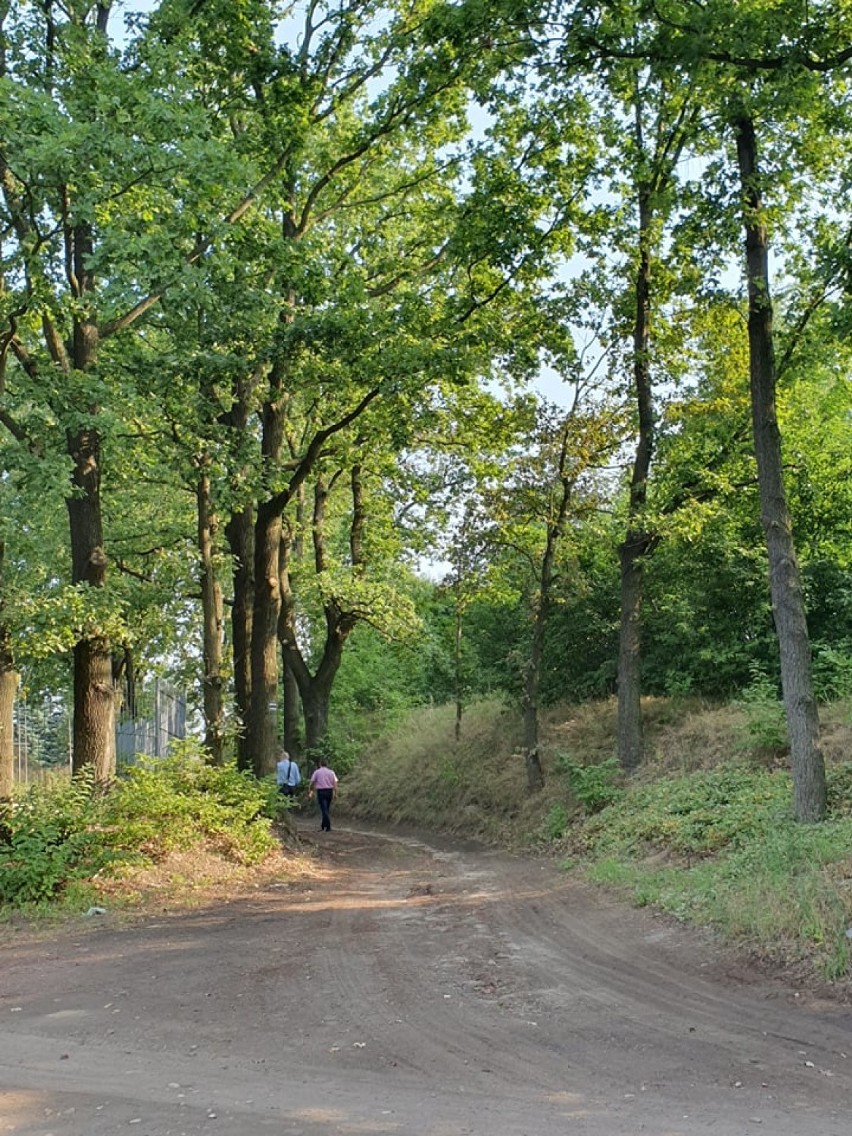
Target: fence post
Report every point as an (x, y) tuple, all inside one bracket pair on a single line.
[(157, 752)]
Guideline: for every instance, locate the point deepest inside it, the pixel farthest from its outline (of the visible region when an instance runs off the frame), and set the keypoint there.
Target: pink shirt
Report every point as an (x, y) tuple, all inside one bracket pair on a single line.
[(324, 778)]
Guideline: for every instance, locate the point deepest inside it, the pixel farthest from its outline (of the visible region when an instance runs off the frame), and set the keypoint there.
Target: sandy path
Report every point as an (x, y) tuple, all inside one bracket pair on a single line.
[(416, 991)]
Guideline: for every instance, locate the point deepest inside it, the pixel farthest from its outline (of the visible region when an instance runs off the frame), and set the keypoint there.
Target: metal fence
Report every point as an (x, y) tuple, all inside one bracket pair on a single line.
[(42, 731), (41, 738), (159, 719)]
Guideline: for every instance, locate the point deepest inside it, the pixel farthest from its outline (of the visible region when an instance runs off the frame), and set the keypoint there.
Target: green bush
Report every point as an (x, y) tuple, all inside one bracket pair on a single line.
[(765, 729), (594, 786), (68, 830), (699, 814), (51, 836), (162, 805), (832, 671)]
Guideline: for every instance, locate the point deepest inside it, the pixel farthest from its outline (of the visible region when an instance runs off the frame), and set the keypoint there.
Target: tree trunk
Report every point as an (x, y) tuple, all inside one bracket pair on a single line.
[(212, 625), (316, 698), (94, 710), (262, 724), (292, 547), (130, 683), (94, 701), (240, 534), (788, 608), (457, 671), (292, 709), (631, 744), (532, 679), (540, 612), (9, 679), (314, 689)]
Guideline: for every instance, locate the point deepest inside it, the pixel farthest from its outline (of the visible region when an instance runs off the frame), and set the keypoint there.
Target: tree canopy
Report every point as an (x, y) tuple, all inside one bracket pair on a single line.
[(280, 286)]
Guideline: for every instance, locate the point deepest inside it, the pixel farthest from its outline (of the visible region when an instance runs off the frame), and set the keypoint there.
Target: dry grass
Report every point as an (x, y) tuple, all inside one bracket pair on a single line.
[(422, 777), (181, 881), (178, 881), (681, 735), (836, 731), (196, 878), (687, 736)]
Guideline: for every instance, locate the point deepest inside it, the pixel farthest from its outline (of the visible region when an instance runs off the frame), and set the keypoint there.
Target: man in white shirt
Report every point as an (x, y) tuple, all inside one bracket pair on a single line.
[(287, 775)]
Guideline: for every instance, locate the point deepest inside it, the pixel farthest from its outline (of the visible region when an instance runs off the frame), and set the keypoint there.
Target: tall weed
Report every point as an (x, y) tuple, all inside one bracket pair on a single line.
[(63, 831), (764, 733), (51, 836), (594, 785)]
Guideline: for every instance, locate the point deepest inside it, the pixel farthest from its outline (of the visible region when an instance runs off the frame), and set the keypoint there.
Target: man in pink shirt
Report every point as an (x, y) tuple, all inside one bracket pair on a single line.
[(324, 782)]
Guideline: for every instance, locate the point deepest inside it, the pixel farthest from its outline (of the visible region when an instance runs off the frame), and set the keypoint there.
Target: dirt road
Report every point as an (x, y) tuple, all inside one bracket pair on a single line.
[(409, 990)]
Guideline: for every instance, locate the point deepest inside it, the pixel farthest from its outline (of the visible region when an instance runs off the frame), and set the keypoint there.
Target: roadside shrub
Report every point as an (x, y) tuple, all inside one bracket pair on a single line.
[(51, 836), (163, 805), (67, 830), (595, 786)]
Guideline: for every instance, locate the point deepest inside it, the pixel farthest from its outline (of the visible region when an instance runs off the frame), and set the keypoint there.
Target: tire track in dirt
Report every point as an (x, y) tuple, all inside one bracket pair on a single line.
[(624, 1000), (407, 1007), (642, 979), (409, 990)]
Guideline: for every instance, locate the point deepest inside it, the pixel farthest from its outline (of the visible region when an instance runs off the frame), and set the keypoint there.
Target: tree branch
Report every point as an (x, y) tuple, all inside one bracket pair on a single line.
[(279, 502), (200, 249)]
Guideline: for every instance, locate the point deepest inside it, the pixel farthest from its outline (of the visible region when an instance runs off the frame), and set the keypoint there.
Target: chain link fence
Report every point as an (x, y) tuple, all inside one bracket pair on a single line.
[(41, 738), (42, 731), (159, 719)]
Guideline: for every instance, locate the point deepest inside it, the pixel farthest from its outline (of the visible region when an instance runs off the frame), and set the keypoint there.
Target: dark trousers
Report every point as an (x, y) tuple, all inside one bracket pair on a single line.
[(324, 797)]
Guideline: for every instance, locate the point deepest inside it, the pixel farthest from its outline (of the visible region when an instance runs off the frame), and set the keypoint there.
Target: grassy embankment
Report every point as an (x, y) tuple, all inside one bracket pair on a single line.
[(704, 831)]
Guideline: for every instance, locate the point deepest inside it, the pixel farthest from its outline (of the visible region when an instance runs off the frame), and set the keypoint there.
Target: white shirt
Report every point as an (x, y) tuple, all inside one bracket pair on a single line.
[(287, 773)]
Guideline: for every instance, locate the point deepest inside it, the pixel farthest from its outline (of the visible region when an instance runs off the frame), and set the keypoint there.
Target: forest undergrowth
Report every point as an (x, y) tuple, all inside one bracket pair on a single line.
[(704, 831), (173, 832)]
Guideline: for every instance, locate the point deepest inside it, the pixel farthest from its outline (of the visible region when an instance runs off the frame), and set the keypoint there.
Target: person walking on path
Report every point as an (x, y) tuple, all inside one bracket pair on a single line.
[(324, 782), (287, 775)]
